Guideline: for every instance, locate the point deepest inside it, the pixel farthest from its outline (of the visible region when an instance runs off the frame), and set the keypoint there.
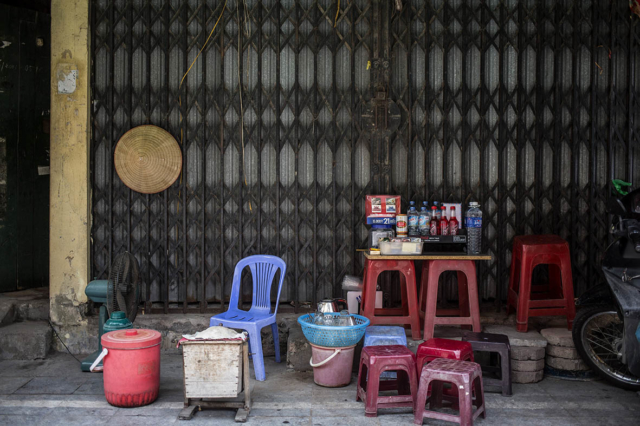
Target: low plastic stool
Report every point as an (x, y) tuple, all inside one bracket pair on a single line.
[(383, 335), (466, 269), (540, 300), (377, 359), (497, 343), (409, 314), (442, 348), (465, 376)]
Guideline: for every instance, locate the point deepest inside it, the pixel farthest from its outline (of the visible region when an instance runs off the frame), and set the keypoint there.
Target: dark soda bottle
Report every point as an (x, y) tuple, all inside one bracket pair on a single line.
[(453, 222), (444, 223), (434, 228)]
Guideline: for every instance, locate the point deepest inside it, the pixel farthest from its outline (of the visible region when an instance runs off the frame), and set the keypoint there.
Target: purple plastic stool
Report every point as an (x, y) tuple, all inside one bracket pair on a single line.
[(496, 343), (385, 335), (374, 361), (465, 376)]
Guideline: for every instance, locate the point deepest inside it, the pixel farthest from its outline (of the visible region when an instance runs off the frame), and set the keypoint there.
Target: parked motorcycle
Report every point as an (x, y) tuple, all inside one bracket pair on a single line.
[(605, 326)]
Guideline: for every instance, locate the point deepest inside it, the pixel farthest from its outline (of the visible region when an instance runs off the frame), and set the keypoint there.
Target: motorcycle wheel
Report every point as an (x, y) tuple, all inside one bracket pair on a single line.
[(597, 335)]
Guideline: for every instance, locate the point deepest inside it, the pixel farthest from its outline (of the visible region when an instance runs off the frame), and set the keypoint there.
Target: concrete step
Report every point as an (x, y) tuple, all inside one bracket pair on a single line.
[(26, 340), (32, 310), (28, 305), (7, 312), (25, 305)]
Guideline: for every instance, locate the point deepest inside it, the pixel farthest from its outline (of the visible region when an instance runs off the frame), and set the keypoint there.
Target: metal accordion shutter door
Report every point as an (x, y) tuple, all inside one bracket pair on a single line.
[(529, 107)]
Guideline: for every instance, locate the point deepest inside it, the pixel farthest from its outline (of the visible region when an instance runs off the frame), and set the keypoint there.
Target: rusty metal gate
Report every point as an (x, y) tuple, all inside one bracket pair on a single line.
[(529, 107)]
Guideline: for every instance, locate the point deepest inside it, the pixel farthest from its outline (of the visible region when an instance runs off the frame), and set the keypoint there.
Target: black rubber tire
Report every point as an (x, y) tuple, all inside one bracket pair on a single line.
[(581, 318)]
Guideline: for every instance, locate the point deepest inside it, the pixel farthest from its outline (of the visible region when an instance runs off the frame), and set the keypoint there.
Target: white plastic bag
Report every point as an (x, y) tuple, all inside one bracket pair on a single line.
[(351, 283)]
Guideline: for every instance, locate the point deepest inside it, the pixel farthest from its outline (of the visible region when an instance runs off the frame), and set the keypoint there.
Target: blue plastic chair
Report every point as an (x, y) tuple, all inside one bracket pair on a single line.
[(263, 270)]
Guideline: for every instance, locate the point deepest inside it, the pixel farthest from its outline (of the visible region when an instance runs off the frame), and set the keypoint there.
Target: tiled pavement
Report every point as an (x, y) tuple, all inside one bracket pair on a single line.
[(54, 391)]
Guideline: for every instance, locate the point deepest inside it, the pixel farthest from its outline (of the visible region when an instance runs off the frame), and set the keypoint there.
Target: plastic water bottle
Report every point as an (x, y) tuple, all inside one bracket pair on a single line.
[(424, 221), (473, 222), (438, 213), (413, 216)]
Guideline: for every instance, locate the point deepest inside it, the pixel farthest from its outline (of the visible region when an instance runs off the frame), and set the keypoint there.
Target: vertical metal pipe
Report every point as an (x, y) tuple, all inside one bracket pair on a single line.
[(165, 193), (354, 133), (185, 162), (576, 244), (148, 109), (202, 93), (220, 96)]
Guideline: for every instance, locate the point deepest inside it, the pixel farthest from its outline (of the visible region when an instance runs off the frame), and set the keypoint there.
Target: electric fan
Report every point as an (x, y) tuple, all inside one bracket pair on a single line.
[(119, 296)]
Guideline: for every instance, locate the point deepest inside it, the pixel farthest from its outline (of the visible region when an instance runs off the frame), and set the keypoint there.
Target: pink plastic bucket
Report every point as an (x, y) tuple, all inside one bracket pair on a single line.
[(332, 366)]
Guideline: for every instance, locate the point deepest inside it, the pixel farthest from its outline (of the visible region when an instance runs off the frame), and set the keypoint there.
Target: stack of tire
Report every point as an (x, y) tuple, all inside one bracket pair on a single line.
[(527, 364), (562, 359), (527, 353)]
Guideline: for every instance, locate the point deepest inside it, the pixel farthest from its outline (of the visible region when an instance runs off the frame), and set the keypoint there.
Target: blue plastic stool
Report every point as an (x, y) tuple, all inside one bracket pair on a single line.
[(383, 335)]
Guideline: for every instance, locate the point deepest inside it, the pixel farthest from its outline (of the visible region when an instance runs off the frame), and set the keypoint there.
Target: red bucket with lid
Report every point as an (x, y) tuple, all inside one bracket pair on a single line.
[(131, 360)]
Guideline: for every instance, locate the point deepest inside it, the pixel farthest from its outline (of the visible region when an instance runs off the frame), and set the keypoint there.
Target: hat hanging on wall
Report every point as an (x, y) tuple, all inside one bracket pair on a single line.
[(148, 159)]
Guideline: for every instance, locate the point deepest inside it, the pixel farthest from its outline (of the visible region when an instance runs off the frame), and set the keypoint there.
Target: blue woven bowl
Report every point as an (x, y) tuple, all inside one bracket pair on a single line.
[(333, 336)]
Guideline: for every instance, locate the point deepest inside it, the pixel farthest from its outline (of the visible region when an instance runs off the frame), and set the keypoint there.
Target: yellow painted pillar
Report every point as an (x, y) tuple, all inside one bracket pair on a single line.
[(70, 190)]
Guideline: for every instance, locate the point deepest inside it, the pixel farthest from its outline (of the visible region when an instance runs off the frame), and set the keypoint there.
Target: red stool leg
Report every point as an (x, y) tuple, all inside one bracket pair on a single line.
[(432, 300), (403, 294), (567, 289), (472, 285), (463, 297), (369, 291), (514, 277), (413, 380), (412, 300), (424, 280), (421, 398), (524, 294), (361, 384), (465, 403), (479, 396), (373, 386), (363, 297), (420, 360)]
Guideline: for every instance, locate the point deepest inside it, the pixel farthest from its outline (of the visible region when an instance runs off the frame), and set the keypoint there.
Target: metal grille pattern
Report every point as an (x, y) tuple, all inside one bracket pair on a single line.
[(528, 106)]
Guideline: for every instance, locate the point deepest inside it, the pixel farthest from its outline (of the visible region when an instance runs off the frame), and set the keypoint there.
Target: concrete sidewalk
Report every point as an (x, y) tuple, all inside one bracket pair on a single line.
[(54, 391)]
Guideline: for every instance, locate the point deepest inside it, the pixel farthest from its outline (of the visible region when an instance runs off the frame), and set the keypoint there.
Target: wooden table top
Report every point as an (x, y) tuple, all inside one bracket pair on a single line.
[(431, 256)]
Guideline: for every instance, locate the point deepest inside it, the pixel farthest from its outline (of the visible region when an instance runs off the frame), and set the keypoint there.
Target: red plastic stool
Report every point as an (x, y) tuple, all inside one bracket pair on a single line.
[(464, 376), (463, 295), (466, 268), (409, 313), (373, 362), (442, 348), (540, 300)]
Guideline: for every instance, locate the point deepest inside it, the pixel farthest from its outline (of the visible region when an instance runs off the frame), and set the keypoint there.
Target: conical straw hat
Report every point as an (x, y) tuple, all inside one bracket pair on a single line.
[(148, 159)]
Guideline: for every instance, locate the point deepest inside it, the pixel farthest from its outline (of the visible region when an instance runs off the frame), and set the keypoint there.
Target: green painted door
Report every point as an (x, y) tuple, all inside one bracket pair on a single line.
[(24, 148)]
